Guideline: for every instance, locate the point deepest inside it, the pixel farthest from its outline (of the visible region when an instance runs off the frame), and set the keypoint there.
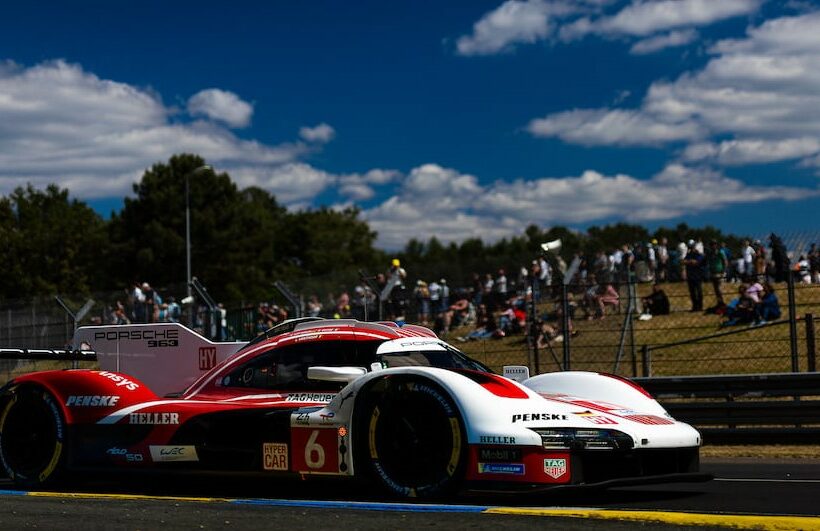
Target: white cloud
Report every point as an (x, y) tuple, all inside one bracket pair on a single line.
[(666, 40), (762, 91), (294, 183), (60, 123), (321, 133), (643, 18), (125, 130), (517, 22), (359, 187), (612, 127), (221, 105), (513, 22), (752, 151), (442, 202)]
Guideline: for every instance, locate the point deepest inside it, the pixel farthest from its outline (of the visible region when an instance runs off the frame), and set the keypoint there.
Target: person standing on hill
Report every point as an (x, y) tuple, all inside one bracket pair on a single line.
[(693, 264), (718, 263)]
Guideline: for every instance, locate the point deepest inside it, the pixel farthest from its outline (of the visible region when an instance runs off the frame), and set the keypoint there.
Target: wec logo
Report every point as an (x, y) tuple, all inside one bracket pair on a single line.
[(173, 453)]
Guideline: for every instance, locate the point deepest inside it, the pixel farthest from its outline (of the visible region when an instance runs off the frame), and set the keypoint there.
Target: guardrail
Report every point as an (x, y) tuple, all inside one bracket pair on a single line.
[(779, 408)]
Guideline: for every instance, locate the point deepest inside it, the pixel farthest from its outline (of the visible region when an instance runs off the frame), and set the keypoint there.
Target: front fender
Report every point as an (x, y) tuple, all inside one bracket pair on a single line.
[(85, 396)]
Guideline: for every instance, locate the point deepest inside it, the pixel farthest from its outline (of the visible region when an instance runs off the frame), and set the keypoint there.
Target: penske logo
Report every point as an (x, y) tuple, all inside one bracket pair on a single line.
[(153, 418), (92, 401)]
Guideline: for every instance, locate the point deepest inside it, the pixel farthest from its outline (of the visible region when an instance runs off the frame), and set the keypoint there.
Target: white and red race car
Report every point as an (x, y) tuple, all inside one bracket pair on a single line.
[(390, 404)]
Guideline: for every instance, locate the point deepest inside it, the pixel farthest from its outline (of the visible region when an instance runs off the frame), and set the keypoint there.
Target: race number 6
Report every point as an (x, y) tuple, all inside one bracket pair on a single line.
[(318, 450), (314, 453)]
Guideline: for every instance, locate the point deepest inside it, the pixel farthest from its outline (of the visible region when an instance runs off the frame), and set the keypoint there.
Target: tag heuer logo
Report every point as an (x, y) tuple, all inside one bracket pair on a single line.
[(555, 468)]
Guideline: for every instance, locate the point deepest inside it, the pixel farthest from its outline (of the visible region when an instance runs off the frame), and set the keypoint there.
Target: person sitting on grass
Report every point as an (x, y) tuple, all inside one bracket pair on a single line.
[(740, 310), (768, 309), (607, 295), (656, 303)]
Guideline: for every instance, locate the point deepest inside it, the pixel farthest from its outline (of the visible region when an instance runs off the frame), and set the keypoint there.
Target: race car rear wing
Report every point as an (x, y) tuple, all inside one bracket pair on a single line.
[(167, 357), (35, 354)]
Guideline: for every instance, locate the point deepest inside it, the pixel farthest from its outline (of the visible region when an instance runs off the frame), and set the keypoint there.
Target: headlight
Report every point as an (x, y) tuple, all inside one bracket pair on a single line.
[(574, 439)]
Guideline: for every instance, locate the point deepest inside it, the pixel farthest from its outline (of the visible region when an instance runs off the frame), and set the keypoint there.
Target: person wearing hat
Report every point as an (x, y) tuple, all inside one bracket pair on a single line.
[(693, 264), (394, 291), (718, 264)]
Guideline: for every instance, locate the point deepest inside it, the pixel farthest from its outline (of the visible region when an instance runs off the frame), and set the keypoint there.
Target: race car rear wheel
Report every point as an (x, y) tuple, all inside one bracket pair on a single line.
[(415, 445), (32, 436)]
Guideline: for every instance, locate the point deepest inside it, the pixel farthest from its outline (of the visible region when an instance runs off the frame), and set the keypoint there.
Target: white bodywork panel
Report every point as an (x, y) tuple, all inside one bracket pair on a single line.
[(167, 357)]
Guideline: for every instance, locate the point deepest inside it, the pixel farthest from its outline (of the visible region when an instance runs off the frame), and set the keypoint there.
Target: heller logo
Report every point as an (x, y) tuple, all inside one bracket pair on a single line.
[(207, 358), (496, 439), (173, 453), (92, 401), (275, 456), (555, 468), (153, 418)]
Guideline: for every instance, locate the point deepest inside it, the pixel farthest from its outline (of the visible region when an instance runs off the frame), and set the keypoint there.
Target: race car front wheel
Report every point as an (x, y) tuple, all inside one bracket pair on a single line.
[(415, 440), (32, 436)]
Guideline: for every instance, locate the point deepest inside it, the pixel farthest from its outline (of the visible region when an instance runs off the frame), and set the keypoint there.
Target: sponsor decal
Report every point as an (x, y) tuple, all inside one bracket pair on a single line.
[(302, 419), (310, 397), (527, 417), (595, 418), (555, 468), (121, 381), (153, 418), (505, 455), (649, 419), (173, 453), (122, 452), (327, 417), (419, 343), (516, 469), (92, 401), (154, 338), (496, 439), (275, 456), (207, 358)]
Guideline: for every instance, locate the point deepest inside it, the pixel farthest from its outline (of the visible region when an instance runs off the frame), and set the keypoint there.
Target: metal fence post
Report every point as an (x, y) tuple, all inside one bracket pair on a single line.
[(565, 317), (792, 323), (631, 310), (532, 331), (646, 361), (810, 352)]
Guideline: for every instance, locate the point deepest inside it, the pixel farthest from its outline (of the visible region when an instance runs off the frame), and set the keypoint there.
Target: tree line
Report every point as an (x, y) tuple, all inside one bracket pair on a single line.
[(242, 240)]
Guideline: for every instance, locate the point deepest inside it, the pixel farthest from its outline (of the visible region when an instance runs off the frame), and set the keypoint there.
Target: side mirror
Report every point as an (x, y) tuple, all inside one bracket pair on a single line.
[(335, 374), (519, 373)]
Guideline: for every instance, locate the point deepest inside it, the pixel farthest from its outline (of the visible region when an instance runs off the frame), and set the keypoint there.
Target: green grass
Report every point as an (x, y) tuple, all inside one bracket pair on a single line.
[(751, 350)]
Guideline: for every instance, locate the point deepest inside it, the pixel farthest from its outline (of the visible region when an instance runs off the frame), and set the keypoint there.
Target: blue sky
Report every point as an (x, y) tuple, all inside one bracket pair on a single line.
[(454, 119)]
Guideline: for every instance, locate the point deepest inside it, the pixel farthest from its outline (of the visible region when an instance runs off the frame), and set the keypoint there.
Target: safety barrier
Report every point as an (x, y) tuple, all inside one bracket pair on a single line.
[(781, 408)]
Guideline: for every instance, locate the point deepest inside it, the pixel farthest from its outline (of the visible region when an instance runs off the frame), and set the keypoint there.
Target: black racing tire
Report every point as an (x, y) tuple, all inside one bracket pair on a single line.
[(32, 436), (412, 438)]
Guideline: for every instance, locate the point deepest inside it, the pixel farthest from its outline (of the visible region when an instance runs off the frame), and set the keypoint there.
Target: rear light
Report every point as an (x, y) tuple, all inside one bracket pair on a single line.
[(573, 439)]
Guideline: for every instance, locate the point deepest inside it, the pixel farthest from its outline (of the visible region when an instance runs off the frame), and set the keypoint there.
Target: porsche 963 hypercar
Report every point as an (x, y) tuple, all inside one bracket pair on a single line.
[(393, 405)]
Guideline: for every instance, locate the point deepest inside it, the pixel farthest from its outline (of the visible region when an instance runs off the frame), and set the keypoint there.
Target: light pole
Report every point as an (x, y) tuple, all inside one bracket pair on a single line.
[(188, 175)]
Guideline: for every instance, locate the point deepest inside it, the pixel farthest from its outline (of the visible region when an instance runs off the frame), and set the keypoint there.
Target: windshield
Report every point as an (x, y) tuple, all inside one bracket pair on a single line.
[(449, 358)]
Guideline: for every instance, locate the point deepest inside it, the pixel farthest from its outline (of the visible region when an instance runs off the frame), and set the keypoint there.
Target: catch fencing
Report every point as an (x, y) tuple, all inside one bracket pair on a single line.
[(620, 340)]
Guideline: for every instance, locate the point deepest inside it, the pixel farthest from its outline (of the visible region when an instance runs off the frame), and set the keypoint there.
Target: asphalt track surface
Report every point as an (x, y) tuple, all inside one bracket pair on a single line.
[(746, 494)]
